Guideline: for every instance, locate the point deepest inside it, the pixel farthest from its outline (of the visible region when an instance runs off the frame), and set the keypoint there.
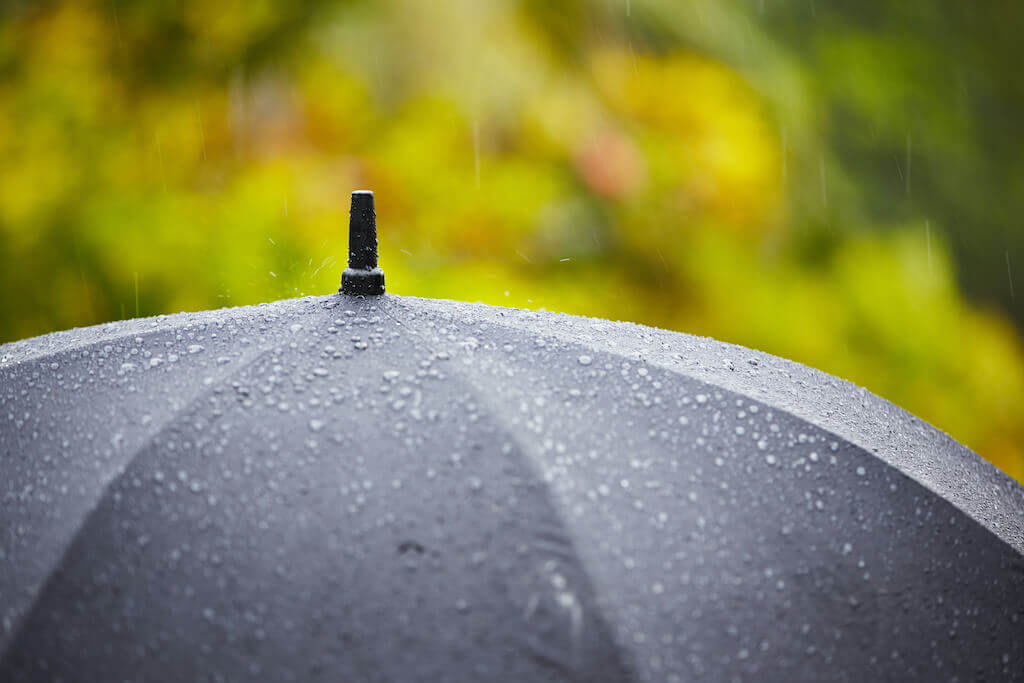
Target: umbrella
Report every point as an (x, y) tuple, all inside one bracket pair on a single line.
[(384, 488)]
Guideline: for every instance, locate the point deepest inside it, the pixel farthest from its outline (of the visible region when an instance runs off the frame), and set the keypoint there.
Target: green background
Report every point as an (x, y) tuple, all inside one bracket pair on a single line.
[(840, 183)]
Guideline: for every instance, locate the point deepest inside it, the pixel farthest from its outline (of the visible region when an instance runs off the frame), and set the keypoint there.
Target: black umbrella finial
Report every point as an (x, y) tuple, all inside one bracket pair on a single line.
[(362, 275)]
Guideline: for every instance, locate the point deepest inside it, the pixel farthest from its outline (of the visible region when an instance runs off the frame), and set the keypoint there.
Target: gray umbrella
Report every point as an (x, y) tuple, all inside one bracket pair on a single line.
[(385, 488)]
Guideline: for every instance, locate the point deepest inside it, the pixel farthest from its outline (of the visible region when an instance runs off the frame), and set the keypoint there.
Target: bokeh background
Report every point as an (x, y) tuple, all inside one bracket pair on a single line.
[(840, 183)]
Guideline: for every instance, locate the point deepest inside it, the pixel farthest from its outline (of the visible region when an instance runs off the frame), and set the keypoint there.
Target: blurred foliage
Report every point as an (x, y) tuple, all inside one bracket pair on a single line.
[(839, 185)]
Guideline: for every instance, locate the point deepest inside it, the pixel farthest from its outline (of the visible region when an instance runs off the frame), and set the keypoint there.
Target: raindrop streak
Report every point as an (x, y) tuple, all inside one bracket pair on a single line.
[(928, 241), (136, 294), (160, 158), (910, 151), (785, 158), (1009, 275), (117, 28), (824, 183), (476, 150), (662, 257), (202, 133), (81, 274)]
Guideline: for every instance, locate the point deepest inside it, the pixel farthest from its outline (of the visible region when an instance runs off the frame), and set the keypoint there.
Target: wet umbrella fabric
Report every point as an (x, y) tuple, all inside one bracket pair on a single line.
[(392, 489)]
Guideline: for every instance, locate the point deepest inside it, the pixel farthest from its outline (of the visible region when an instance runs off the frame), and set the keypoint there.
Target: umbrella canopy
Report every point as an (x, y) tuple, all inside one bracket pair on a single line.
[(396, 489), (386, 488)]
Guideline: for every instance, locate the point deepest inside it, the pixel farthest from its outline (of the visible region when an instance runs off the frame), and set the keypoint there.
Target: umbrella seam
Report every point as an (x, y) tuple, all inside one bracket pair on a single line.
[(1017, 544), (16, 630), (601, 617)]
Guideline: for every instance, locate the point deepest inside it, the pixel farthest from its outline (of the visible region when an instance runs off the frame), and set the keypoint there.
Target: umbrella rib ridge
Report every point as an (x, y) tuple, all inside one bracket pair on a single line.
[(1012, 536), (107, 487), (621, 656)]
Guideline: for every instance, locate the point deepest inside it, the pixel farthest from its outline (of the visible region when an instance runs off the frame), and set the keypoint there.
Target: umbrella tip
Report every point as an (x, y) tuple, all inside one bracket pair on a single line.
[(362, 275)]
